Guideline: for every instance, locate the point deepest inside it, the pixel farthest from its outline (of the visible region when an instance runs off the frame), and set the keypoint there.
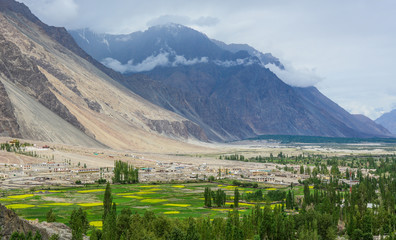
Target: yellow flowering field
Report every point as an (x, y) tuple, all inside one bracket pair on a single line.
[(135, 197), (50, 191), (20, 196), (178, 186), (177, 205), (90, 204), (151, 200), (97, 224), (6, 199), (172, 212), (245, 204), (59, 204), (91, 191), (271, 189), (19, 206), (125, 194), (275, 205)]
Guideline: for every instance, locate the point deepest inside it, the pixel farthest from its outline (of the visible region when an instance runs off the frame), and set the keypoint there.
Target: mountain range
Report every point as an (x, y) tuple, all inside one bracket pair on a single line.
[(150, 91), (226, 89)]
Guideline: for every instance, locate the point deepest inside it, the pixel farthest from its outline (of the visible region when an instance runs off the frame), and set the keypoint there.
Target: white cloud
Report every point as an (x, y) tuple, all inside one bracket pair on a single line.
[(146, 65), (151, 62), (237, 62), (303, 77), (181, 60)]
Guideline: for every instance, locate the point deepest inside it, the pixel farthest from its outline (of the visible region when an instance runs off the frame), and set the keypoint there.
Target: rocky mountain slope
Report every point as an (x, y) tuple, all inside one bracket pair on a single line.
[(53, 91), (225, 89), (10, 223), (388, 120)]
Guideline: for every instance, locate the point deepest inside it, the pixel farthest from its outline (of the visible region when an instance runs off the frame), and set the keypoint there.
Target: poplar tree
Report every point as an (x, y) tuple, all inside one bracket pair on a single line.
[(107, 201), (78, 223), (208, 197), (236, 198)]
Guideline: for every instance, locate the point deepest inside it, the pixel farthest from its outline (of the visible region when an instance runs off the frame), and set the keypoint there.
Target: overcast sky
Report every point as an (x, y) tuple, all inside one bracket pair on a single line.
[(347, 49)]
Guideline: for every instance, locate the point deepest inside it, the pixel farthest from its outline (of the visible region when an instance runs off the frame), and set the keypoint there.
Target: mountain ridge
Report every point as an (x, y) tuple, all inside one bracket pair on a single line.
[(216, 93)]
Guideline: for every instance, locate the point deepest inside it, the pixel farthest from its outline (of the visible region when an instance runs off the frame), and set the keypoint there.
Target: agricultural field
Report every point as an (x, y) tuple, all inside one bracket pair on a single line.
[(173, 200)]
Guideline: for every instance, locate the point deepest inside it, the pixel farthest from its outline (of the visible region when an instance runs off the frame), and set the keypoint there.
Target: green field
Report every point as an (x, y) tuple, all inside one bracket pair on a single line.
[(173, 200)]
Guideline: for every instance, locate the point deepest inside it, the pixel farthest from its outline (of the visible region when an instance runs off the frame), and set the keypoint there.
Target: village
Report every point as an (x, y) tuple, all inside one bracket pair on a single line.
[(38, 166)]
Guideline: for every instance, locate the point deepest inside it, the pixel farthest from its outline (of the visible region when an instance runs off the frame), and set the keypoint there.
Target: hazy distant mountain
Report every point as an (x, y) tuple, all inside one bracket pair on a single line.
[(51, 90), (223, 88), (388, 120)]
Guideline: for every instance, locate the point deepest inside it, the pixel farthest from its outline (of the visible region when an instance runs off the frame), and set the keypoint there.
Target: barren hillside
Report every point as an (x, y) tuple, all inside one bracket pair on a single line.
[(58, 96)]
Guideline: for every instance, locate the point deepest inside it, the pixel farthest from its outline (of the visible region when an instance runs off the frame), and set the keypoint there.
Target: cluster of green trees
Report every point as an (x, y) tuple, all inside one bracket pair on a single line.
[(51, 217), (17, 148), (218, 197), (234, 157), (125, 173), (28, 236), (78, 223), (8, 147), (244, 184), (276, 195), (256, 196), (259, 196), (319, 161), (366, 211)]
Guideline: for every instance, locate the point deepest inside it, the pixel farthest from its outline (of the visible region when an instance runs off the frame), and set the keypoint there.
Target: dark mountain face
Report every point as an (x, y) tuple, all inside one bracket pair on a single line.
[(246, 101), (231, 95), (388, 120)]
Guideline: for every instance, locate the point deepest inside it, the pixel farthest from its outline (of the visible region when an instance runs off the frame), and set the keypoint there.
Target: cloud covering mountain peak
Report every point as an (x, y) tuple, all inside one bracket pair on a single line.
[(151, 62)]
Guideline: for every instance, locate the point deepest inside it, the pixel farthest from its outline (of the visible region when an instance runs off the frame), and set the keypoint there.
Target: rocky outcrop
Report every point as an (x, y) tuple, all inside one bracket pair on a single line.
[(60, 229), (183, 129), (8, 122), (24, 72), (10, 223)]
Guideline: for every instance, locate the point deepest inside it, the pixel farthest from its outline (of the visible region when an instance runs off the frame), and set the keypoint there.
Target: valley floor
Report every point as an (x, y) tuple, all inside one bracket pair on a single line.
[(46, 164)]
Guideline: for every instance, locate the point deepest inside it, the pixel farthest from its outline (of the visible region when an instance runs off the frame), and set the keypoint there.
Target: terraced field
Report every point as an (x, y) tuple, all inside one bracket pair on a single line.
[(181, 200)]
